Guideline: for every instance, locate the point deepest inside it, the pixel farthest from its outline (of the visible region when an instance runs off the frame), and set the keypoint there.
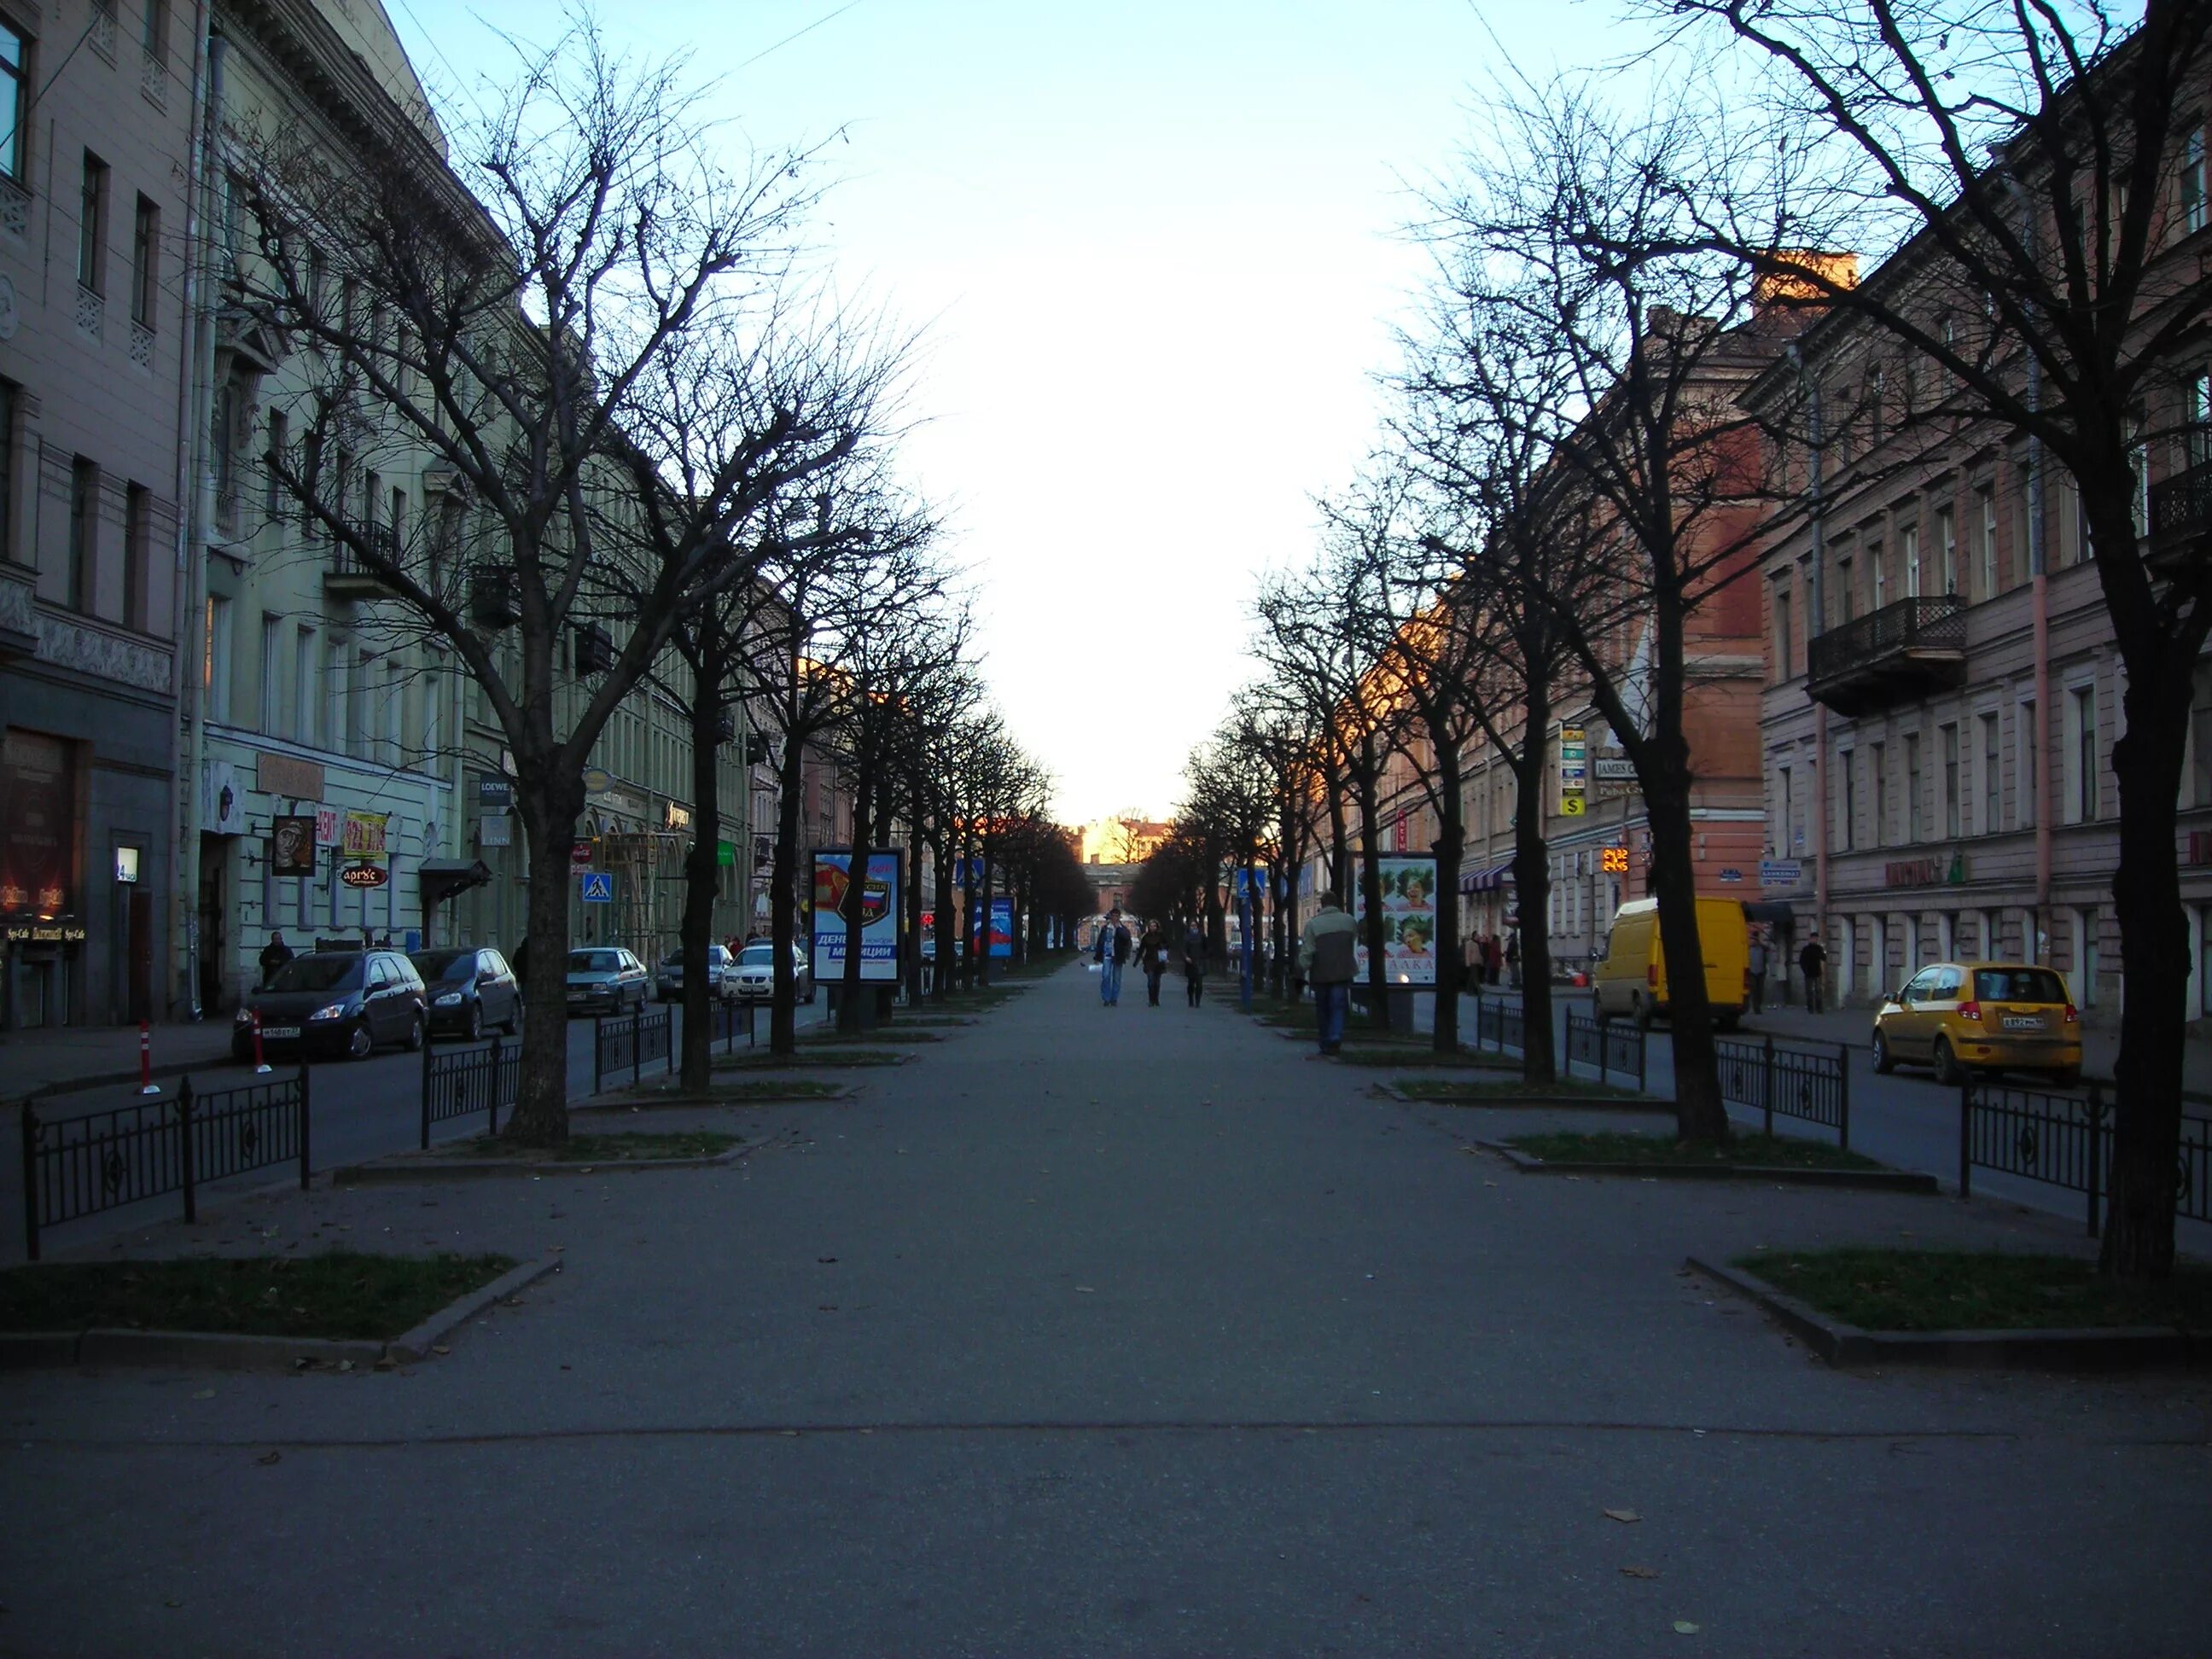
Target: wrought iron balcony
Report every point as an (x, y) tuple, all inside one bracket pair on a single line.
[(1889, 656), (348, 576), (2181, 515)]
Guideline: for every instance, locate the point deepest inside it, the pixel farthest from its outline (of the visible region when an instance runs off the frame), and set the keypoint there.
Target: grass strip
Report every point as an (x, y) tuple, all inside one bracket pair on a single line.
[(822, 1054), (1474, 1090), (338, 1294), (1634, 1151), (896, 1031), (722, 1094), (1392, 1054), (1965, 1289), (625, 1147)]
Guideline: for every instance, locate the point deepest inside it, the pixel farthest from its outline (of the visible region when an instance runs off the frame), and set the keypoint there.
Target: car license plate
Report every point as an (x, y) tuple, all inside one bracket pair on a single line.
[(2023, 1023), (275, 1032)]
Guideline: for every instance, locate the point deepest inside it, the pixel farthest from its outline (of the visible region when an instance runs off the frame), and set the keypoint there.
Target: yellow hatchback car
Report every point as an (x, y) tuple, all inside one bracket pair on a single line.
[(1964, 1017)]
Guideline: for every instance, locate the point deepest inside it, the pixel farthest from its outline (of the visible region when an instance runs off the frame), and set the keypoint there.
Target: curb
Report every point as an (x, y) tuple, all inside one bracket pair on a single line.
[(802, 1063), (420, 1168), (1548, 1102), (839, 1092), (229, 1351), (1879, 1180), (2110, 1348)]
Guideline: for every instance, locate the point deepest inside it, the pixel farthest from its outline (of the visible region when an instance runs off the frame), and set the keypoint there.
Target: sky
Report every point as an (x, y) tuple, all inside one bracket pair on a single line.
[(1154, 251)]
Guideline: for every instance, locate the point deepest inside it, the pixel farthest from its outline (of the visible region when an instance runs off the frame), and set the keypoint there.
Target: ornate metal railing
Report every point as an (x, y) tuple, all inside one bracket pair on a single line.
[(2181, 503), (620, 1045), (462, 1081), (1605, 1046), (1811, 1084), (2063, 1141), (1929, 623)]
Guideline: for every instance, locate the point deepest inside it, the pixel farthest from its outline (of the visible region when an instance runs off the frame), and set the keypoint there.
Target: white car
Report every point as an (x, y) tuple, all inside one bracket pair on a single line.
[(755, 972)]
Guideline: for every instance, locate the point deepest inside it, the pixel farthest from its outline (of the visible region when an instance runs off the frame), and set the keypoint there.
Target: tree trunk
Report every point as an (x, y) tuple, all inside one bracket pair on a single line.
[(910, 968), (851, 1017), (984, 921), (783, 901), (945, 923), (541, 1104), (1699, 1113), (1532, 894), (1449, 846), (702, 876), (1370, 885)]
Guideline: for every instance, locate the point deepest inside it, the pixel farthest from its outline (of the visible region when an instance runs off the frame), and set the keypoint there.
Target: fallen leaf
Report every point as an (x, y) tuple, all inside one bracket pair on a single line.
[(440, 1347), (1086, 1289), (204, 1393), (270, 1457), (1627, 1517), (1684, 1627), (1639, 1572)]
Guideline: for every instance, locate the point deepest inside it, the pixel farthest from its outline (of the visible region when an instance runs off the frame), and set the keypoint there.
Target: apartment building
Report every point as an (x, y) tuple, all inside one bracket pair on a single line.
[(96, 102), (1942, 692)]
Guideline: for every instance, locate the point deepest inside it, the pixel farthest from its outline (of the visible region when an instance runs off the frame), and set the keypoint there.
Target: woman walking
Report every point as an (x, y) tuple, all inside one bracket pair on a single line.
[(1153, 950), (1194, 965)]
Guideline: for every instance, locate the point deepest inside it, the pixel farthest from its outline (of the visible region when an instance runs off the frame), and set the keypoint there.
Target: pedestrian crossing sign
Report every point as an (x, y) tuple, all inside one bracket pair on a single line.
[(598, 886)]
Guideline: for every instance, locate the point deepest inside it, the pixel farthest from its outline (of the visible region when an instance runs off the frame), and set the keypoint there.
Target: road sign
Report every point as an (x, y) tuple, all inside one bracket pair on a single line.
[(1780, 872), (1731, 875), (596, 779), (599, 887), (1571, 806)]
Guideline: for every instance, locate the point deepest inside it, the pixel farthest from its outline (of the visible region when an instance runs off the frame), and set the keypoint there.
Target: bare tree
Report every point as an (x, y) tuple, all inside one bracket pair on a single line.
[(2031, 167), (524, 343)]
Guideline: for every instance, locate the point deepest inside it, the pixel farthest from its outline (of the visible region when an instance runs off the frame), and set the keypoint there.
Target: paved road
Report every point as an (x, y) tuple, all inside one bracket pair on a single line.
[(359, 1109), (1126, 1332)]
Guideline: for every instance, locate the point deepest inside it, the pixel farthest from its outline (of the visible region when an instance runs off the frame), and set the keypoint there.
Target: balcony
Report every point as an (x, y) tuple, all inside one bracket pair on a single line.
[(2181, 516), (1889, 656), (350, 576)]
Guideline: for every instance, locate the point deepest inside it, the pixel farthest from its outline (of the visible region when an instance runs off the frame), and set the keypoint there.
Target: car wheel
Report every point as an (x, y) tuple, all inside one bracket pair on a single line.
[(359, 1045), (1642, 1015), (473, 1027), (1600, 1012), (1948, 1071), (1884, 1062), (416, 1033)]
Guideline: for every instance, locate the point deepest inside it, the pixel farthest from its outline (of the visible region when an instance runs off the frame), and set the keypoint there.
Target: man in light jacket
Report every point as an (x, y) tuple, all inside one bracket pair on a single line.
[(1327, 960), (1110, 950)]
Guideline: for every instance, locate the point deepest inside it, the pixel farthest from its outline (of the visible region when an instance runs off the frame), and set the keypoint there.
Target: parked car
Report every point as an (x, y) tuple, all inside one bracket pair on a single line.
[(1630, 983), (721, 974), (1964, 1017), (603, 977), (341, 1002), (755, 972), (470, 989)]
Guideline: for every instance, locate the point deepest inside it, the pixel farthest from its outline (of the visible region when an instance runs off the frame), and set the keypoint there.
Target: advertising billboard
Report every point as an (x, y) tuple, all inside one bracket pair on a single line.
[(1409, 921), (879, 915), (1002, 926)]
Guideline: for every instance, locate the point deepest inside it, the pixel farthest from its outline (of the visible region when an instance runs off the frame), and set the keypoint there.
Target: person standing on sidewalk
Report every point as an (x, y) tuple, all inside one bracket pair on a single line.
[(1327, 954), (1194, 965), (1513, 959), (1152, 956), (1109, 950), (274, 955), (1758, 967), (1813, 960)]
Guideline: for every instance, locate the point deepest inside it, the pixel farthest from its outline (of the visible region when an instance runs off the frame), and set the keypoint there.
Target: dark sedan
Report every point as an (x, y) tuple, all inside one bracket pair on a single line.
[(471, 989), (341, 1002)]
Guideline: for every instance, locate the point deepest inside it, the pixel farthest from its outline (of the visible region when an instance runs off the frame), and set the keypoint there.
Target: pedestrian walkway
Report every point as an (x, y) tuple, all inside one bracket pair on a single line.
[(1107, 1331), (60, 1057)]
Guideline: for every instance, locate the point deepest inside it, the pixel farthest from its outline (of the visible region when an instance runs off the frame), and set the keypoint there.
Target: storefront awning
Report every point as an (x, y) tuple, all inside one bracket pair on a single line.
[(441, 878), (1486, 881), (1769, 910)]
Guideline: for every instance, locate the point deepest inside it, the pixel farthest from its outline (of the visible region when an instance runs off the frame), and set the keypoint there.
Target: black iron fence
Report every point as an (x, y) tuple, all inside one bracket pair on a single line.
[(1499, 1026), (79, 1166), (725, 1019), (624, 1045), (1605, 1046), (2066, 1141), (462, 1081), (1811, 1084)]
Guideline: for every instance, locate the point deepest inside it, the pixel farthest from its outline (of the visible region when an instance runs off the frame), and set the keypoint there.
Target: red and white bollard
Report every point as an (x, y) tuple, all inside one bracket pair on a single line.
[(146, 1084), (260, 1062)]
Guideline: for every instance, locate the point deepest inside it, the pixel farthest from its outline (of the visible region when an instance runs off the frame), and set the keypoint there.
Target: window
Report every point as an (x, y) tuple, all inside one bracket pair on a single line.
[(92, 224), (224, 437), (15, 94), (214, 665), (303, 685), (2082, 754), (84, 528), (1908, 547), (2066, 504), (1851, 799), (272, 501), (1990, 780), (2028, 777), (1947, 748), (1985, 500), (145, 261), (272, 647), (1789, 804), (2085, 955), (1782, 629), (138, 551), (1947, 552), (1880, 577), (1845, 606), (7, 472), (1878, 762), (156, 38), (2192, 180), (1912, 818)]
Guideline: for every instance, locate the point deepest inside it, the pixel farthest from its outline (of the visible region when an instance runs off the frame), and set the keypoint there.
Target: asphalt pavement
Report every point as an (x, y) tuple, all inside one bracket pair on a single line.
[(1128, 1331)]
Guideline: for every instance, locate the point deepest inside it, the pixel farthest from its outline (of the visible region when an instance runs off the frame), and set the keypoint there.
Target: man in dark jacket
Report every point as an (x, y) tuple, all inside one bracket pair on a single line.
[(274, 955), (1109, 950), (1326, 952)]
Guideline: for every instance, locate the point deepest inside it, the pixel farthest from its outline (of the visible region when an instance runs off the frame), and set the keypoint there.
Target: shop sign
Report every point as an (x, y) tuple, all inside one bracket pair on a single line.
[(292, 844), (495, 829), (494, 791), (1613, 861), (37, 824), (579, 852), (364, 875), (60, 931), (223, 807), (1731, 876), (326, 826), (1613, 769), (289, 777), (1780, 872), (361, 835)]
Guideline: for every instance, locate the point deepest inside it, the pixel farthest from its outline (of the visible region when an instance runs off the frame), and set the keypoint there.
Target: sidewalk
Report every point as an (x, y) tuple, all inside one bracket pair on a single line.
[(54, 1059)]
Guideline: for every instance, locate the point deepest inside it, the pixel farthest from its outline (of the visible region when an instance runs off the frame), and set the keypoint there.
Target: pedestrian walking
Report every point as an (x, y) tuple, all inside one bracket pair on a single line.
[(274, 955), (1110, 950), (1326, 953), (1152, 955), (1493, 958), (1194, 965), (1513, 959), (1813, 960), (1758, 964)]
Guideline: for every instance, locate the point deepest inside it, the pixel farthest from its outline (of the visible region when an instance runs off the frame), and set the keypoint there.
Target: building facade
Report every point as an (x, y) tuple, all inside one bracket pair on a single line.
[(96, 106)]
